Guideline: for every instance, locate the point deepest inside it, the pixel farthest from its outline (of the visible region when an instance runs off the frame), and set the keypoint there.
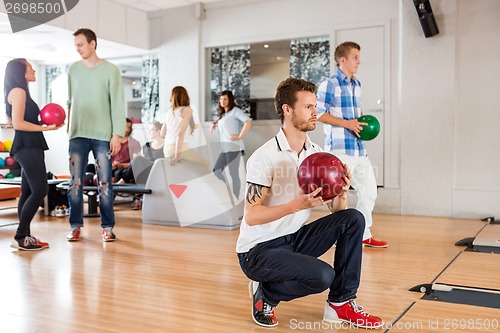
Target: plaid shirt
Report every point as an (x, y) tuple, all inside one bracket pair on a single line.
[(341, 97)]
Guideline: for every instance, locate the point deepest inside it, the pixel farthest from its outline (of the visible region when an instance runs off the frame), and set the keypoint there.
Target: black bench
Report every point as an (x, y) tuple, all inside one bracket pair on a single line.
[(92, 192)]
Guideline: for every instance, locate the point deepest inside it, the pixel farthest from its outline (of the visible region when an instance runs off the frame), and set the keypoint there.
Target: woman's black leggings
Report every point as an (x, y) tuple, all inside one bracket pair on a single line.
[(34, 187)]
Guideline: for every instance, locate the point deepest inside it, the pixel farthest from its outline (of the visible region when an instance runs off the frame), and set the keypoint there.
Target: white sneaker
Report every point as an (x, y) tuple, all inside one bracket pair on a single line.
[(60, 211)]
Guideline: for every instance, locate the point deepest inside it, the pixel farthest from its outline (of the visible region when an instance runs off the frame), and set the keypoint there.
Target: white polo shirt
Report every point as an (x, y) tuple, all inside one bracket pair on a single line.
[(274, 165)]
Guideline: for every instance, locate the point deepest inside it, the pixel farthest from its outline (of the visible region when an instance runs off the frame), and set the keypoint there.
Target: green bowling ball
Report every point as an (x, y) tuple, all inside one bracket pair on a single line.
[(370, 131), (10, 175)]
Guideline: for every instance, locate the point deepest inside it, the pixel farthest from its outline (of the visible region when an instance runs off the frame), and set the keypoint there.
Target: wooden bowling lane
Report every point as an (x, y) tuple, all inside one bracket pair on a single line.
[(472, 269), (488, 239), (429, 316)]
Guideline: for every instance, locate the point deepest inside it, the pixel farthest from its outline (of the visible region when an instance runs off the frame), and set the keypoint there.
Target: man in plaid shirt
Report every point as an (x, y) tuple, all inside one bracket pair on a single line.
[(338, 108)]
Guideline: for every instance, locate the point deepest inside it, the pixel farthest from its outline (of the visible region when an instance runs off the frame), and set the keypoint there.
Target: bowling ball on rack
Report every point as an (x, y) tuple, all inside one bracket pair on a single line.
[(7, 144), (2, 162), (10, 162), (370, 131), (2, 147), (52, 113), (323, 170)]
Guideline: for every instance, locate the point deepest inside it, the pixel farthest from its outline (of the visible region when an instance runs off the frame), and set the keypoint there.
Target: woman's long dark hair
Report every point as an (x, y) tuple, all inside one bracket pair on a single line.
[(15, 77), (220, 110)]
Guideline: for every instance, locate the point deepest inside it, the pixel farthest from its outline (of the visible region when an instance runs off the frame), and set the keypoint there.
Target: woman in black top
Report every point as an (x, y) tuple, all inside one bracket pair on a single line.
[(27, 149)]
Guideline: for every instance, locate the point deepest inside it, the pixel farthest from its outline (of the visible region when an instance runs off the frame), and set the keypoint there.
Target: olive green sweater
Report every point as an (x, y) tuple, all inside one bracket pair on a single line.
[(96, 100)]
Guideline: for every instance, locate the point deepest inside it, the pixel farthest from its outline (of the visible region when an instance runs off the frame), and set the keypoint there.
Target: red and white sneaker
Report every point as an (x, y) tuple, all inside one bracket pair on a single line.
[(74, 235), (44, 245), (373, 242), (351, 313), (108, 235)]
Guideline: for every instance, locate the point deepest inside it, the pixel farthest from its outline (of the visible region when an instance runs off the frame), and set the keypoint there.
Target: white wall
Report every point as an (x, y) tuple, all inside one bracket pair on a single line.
[(427, 112), (477, 151), (443, 104), (179, 54)]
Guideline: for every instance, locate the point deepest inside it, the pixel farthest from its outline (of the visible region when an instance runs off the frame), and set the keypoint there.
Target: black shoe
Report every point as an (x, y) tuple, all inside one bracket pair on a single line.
[(26, 244), (262, 311)]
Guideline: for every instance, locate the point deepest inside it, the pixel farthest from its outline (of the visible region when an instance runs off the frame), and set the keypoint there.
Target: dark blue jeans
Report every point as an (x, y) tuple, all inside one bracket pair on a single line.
[(79, 149), (288, 266), (33, 187)]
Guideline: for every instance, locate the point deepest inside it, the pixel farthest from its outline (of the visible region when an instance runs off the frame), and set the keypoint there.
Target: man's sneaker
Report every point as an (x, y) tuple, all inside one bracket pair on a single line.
[(373, 242), (74, 235), (27, 243), (351, 313), (39, 242), (262, 311), (108, 235), (137, 204)]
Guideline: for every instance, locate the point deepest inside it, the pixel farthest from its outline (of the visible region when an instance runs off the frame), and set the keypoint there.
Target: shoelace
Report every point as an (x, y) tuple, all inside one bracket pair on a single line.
[(107, 233), (358, 308), (28, 240), (268, 310), (373, 239)]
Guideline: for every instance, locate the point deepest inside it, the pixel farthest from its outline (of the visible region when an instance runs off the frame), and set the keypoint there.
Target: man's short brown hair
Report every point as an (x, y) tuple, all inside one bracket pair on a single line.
[(287, 93), (89, 35), (342, 50)]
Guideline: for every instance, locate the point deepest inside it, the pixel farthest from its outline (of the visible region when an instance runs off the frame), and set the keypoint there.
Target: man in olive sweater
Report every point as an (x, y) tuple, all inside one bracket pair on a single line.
[(96, 112)]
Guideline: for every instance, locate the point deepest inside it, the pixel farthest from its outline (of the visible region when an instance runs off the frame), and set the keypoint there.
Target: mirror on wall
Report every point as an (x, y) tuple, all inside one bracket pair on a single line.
[(253, 71), (270, 63)]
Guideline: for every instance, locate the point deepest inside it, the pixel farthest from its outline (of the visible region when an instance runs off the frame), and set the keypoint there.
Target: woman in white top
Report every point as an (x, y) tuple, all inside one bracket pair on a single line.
[(178, 126), (233, 124)]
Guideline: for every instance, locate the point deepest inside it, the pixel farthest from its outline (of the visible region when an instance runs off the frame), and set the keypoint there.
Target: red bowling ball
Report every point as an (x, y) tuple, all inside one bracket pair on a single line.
[(52, 113), (323, 170)]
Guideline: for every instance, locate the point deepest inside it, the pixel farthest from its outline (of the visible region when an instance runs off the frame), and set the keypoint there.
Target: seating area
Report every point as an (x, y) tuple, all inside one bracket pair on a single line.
[(92, 194)]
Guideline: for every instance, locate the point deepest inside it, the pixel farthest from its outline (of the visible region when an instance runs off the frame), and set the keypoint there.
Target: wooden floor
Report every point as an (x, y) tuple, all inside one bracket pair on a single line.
[(172, 279)]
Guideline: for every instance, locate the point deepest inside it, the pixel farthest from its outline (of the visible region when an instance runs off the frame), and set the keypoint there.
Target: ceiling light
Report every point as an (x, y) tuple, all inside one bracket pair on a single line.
[(266, 46)]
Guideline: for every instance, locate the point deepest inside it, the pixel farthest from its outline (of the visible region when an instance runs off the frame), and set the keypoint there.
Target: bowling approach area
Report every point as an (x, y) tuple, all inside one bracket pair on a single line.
[(158, 278)]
